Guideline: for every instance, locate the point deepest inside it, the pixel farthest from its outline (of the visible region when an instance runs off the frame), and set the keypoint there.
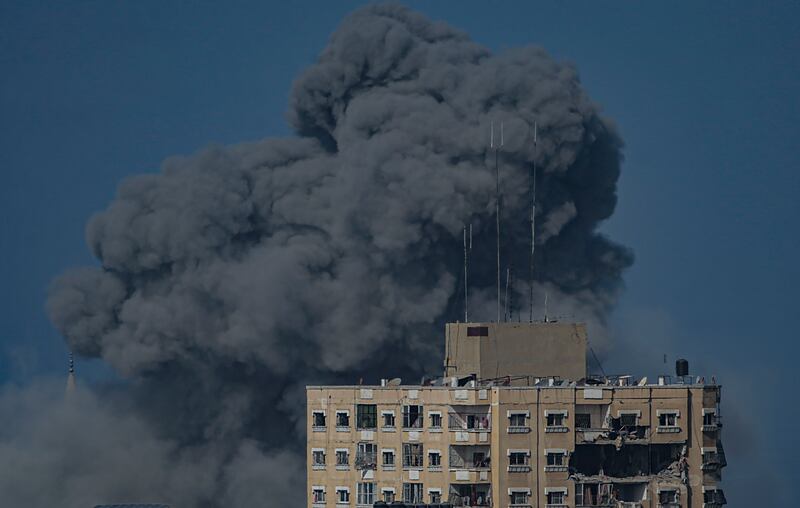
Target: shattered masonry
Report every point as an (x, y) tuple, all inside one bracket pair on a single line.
[(487, 434)]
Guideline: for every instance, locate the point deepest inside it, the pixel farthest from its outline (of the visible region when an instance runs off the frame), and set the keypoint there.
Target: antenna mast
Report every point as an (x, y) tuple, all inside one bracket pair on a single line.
[(467, 249), (497, 206), (533, 215)]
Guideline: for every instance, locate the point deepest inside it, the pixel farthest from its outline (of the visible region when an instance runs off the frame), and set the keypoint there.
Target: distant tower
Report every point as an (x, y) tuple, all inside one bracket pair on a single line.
[(71, 376)]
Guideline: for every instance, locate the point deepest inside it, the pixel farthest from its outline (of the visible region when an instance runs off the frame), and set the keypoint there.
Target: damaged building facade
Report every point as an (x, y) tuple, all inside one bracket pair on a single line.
[(516, 422)]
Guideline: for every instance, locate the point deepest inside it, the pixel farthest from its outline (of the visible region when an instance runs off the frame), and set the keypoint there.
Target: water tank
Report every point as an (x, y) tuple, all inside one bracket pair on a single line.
[(681, 367)]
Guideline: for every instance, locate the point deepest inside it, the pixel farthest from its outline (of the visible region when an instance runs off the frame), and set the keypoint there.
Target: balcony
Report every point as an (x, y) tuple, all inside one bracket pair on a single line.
[(556, 429), (519, 468), (668, 429)]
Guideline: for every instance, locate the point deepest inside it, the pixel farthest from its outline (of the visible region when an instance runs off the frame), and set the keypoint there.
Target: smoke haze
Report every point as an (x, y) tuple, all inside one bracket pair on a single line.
[(236, 276)]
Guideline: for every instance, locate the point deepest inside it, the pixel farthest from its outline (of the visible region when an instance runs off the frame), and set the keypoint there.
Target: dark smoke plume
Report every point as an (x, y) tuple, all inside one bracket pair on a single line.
[(236, 276)]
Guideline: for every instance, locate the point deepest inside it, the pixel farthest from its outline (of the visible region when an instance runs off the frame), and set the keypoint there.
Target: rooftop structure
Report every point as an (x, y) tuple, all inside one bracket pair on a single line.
[(515, 422)]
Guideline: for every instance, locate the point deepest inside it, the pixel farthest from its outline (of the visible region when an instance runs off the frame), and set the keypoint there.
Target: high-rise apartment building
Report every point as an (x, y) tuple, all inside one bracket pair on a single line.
[(515, 422)]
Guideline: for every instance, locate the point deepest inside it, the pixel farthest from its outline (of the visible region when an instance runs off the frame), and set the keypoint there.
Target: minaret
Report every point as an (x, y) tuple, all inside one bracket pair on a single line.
[(71, 376)]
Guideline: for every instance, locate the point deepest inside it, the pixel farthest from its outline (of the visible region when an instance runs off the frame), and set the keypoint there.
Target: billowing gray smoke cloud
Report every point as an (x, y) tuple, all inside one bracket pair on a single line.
[(236, 276)]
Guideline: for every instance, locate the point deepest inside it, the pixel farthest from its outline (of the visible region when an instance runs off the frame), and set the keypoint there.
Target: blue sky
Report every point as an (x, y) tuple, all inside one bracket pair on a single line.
[(706, 95)]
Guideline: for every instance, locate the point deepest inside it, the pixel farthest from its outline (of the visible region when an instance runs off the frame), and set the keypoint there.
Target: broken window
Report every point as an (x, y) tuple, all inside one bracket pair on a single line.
[(668, 420), (388, 419), (556, 498), (367, 454), (412, 417), (365, 493), (628, 419), (591, 459), (318, 458), (412, 454), (318, 495), (342, 419), (668, 497), (479, 459), (318, 419), (412, 493), (366, 416), (714, 497), (518, 458), (342, 458), (388, 458), (591, 494), (583, 421), (342, 495), (436, 420)]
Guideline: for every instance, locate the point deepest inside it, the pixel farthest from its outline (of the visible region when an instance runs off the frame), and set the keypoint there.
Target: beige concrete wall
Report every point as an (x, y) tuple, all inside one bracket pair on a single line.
[(516, 349), (689, 401)]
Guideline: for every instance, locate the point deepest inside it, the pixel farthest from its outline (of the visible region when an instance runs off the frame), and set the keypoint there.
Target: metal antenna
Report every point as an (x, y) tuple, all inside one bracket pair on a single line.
[(533, 215), (71, 363), (505, 300), (545, 307), (497, 206), (467, 248)]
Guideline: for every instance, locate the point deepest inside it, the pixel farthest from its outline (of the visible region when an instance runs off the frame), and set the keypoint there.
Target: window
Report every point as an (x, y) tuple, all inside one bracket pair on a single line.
[(583, 421), (367, 454), (628, 419), (342, 458), (365, 493), (518, 458), (388, 496), (388, 458), (412, 417), (556, 498), (667, 497), (318, 495), (478, 331), (367, 416), (555, 459), (342, 495), (714, 497), (436, 496), (318, 419), (434, 459), (388, 419), (318, 458), (412, 493), (479, 460), (436, 420), (668, 420), (517, 420), (555, 419), (519, 497), (709, 418), (412, 454), (342, 419)]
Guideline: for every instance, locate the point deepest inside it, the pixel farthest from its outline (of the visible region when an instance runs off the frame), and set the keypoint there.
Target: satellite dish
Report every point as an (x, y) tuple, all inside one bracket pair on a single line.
[(394, 382)]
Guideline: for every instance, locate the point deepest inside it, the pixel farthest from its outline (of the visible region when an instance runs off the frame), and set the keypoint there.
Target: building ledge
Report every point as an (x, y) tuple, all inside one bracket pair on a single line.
[(556, 429), (319, 429), (342, 429), (316, 467), (710, 428), (555, 469), (389, 468), (518, 429), (342, 467), (388, 429), (435, 468), (519, 468), (668, 430)]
